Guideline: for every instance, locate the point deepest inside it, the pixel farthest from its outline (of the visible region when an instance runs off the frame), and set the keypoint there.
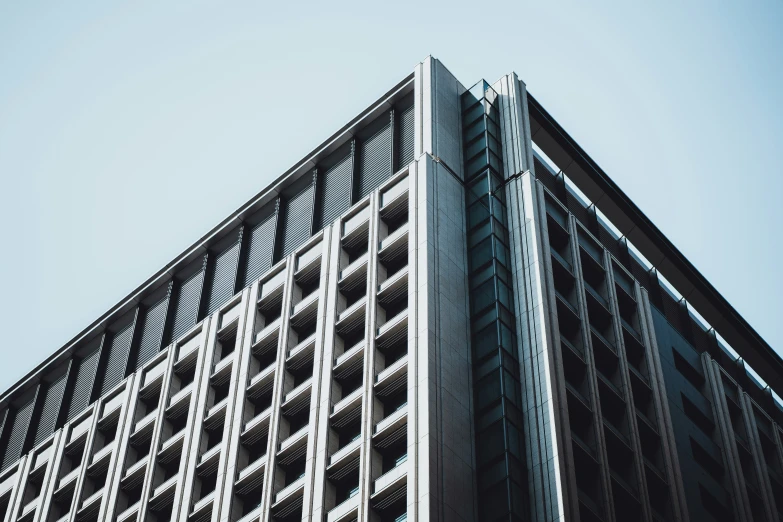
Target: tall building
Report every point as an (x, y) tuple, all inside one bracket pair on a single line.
[(447, 311)]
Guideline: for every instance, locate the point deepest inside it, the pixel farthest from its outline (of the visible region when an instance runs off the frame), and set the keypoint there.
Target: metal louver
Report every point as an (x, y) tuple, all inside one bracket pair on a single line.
[(16, 439), (223, 278), (260, 246), (152, 332), (51, 408), (298, 220), (187, 305), (375, 161), (406, 130), (335, 197), (85, 378), (117, 358)]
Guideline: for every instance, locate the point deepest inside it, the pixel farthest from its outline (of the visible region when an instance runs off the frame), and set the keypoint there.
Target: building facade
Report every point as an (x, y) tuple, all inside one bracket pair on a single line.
[(447, 311)]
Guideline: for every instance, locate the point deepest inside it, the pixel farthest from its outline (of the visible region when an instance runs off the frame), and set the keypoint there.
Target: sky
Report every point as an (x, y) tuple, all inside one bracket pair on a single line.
[(128, 129)]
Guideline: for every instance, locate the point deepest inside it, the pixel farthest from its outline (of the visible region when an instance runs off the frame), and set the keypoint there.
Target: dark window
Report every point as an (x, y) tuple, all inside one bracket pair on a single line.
[(223, 273), (298, 220), (375, 160), (117, 357), (152, 331), (85, 378), (189, 295), (51, 407), (260, 245), (16, 439), (406, 146), (335, 197)]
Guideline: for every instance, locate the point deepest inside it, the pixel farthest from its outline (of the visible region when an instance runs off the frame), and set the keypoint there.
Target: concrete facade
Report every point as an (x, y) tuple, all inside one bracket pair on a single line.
[(341, 382)]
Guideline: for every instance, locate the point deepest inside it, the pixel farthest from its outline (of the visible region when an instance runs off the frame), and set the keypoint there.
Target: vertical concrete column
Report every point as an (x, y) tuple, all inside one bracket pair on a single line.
[(630, 409), (562, 430), (183, 496), (414, 297), (736, 479), (166, 357), (116, 465), (668, 445), (330, 271), (322, 364), (92, 414), (277, 395), (50, 480), (595, 397), (15, 505), (442, 421), (446, 456), (245, 330), (759, 464), (225, 476), (367, 471), (514, 125), (544, 448)]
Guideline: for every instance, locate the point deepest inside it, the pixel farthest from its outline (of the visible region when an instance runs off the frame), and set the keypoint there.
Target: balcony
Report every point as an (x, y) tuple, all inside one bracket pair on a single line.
[(188, 348), (390, 375), (215, 412), (592, 292), (145, 421), (348, 357), (346, 452), (180, 400), (30, 507), (130, 513), (298, 392), (91, 504), (165, 491), (136, 471), (261, 379), (289, 492), (209, 459), (354, 273), (391, 422), (294, 441), (390, 481), (222, 368), (394, 287), (347, 510), (257, 423), (172, 445), (230, 315), (356, 224), (392, 195), (353, 313), (305, 310), (267, 334), (203, 507), (347, 403), (309, 261), (68, 478), (252, 471), (392, 330), (301, 349), (393, 241), (101, 458), (271, 288), (253, 516)]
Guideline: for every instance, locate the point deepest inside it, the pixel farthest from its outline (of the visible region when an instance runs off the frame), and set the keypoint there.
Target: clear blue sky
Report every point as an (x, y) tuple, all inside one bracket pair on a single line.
[(128, 129)]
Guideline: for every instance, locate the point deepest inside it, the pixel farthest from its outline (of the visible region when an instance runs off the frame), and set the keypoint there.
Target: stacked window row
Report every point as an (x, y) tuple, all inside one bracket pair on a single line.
[(611, 406), (675, 309), (213, 406), (501, 473), (209, 280)]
